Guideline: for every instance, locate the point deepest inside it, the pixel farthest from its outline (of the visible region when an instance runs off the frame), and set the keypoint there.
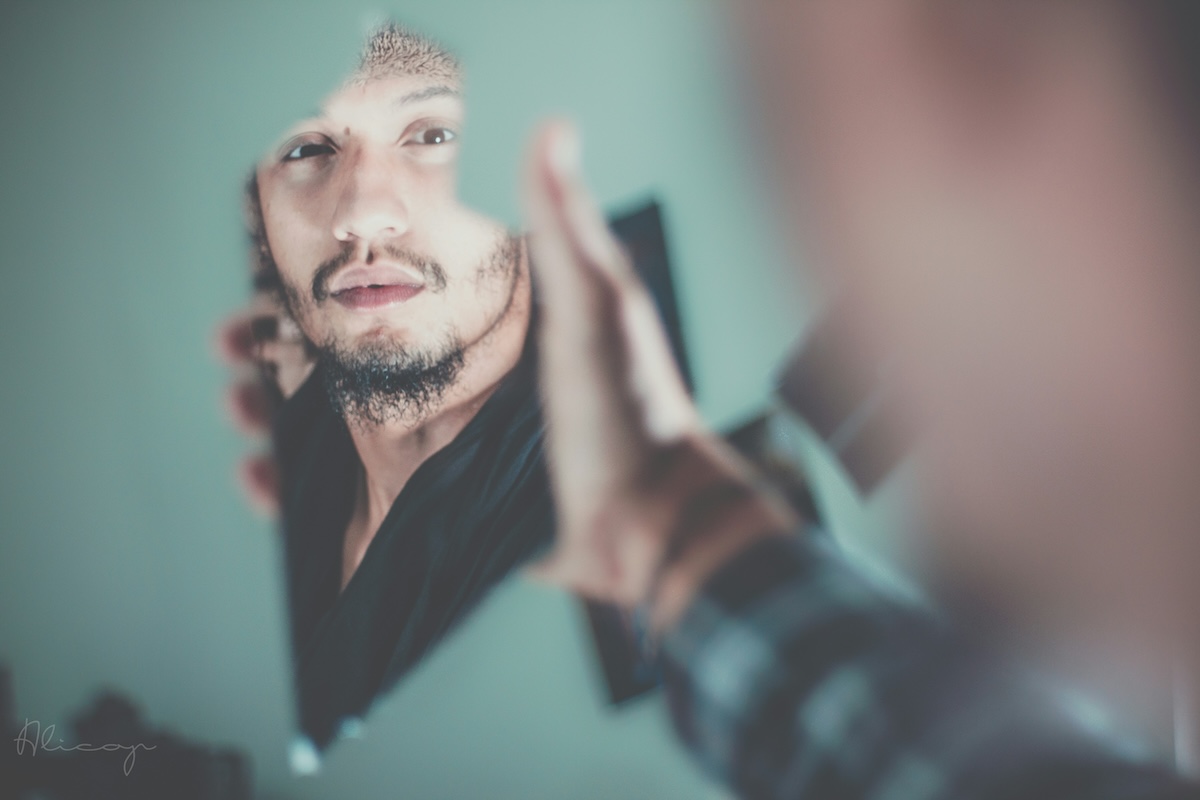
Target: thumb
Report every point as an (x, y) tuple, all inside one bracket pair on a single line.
[(591, 293)]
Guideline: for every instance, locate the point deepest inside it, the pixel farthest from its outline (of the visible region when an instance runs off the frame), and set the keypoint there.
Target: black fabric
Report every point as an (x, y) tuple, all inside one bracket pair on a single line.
[(471, 513)]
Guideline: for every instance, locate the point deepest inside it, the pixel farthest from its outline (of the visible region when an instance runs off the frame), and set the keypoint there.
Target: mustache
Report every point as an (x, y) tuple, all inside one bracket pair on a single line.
[(430, 269)]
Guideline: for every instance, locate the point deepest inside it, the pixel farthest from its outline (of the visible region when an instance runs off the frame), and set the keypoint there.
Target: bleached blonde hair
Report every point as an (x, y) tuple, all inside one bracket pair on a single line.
[(392, 49)]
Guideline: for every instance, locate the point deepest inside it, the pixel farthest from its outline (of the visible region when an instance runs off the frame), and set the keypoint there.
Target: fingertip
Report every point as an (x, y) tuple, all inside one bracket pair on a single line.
[(234, 340), (248, 405), (259, 478), (563, 148), (555, 154), (540, 193)]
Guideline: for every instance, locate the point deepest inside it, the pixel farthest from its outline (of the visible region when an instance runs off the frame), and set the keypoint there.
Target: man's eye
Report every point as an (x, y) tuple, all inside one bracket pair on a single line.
[(308, 150), (435, 136)]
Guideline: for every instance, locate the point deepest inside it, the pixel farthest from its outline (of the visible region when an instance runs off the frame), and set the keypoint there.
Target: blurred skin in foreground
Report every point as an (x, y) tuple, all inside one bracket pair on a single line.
[(1003, 191), (1004, 194)]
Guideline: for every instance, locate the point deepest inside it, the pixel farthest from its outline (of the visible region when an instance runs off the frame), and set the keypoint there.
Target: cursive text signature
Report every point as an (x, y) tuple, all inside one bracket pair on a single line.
[(41, 740)]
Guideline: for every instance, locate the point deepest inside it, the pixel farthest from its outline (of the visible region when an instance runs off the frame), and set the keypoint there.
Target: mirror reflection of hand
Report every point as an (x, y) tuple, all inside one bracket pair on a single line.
[(269, 360), (629, 456), (282, 354)]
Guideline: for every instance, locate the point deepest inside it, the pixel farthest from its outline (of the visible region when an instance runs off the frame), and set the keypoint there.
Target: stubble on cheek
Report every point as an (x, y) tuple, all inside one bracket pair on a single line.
[(301, 309), (498, 276)]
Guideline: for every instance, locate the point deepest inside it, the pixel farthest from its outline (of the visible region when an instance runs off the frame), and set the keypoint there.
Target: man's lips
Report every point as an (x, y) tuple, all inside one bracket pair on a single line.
[(377, 284), (361, 297), (377, 273)]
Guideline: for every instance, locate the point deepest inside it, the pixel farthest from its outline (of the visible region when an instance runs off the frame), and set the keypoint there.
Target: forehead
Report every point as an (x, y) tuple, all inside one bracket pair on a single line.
[(397, 66), (391, 94), (364, 106)]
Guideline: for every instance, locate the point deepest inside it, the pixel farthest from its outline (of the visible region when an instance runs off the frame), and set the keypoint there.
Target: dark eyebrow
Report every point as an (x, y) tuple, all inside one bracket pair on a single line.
[(427, 93)]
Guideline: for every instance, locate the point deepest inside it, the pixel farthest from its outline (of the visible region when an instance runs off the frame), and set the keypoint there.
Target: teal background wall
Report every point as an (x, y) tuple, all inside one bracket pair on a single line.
[(127, 557)]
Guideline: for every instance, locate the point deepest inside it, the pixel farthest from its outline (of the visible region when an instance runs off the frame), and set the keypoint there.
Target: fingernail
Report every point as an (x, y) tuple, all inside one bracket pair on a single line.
[(565, 150)]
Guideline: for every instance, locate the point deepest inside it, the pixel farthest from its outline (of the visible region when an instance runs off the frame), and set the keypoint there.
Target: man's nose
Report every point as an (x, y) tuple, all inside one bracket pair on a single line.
[(372, 203)]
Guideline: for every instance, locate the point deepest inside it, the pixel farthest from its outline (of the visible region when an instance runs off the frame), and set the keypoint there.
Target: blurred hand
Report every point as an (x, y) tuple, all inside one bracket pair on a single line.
[(629, 456), (269, 360)]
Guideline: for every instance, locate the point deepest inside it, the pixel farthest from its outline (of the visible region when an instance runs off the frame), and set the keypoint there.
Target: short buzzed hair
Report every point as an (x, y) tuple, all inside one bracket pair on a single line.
[(392, 49)]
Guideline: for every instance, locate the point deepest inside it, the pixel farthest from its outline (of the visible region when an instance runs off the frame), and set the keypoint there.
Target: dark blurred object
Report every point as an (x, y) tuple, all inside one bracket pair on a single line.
[(845, 407), (627, 673), (8, 728), (8, 707), (760, 442), (641, 232), (140, 763)]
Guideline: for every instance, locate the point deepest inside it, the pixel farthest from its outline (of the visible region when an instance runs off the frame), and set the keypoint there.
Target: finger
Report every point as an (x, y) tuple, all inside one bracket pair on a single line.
[(582, 222), (248, 404), (265, 321), (566, 568), (287, 331), (550, 568), (668, 413), (584, 365), (287, 363), (606, 562), (235, 342), (578, 217), (284, 354), (564, 283), (654, 377), (271, 321), (259, 479), (574, 231)]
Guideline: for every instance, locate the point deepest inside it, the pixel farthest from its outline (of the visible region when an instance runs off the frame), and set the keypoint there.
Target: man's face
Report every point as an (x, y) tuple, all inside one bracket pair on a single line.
[(375, 253)]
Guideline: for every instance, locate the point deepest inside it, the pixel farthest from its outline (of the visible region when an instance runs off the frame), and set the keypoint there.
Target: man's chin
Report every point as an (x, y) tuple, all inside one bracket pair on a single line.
[(382, 335), (385, 344), (380, 380), (369, 334), (381, 326)]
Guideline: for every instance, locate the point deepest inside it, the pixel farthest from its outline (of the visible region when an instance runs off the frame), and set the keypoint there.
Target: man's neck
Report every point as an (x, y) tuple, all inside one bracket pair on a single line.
[(392, 452)]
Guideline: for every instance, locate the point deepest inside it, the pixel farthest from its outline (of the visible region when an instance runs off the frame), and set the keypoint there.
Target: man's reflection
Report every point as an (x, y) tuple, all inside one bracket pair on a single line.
[(410, 458)]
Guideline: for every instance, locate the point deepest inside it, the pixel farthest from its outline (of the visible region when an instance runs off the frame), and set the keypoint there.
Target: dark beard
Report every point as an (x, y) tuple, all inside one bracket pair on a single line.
[(382, 382)]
